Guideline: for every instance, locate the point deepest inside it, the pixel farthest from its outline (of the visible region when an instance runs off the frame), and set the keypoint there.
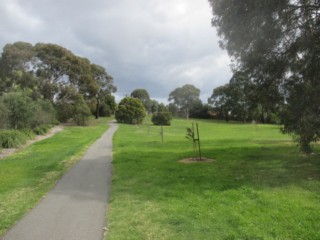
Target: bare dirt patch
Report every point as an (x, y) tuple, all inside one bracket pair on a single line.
[(196, 160), (8, 151)]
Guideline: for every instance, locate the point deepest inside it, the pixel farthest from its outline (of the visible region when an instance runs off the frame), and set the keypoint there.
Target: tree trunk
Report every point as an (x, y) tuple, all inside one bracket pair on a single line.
[(97, 108)]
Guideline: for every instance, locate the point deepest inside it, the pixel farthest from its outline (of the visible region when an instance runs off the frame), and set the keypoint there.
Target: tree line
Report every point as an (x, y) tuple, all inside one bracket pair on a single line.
[(275, 47), (46, 83)]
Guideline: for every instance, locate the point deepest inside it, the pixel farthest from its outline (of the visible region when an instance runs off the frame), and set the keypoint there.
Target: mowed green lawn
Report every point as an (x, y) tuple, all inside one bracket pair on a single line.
[(26, 176), (259, 186)]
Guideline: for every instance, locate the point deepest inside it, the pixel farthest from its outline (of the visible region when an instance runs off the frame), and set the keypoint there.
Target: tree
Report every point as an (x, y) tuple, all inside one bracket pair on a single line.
[(71, 106), (55, 74), (278, 44), (16, 66), (103, 91), (130, 111), (144, 97), (184, 98), (162, 117), (200, 110), (220, 99)]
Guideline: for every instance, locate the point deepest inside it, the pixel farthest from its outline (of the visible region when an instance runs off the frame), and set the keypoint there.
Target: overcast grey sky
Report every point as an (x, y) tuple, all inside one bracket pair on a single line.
[(157, 45)]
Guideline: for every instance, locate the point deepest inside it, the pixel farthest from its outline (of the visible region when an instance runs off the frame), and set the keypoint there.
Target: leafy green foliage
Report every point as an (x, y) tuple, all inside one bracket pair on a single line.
[(4, 114), (162, 118), (130, 111), (21, 109), (183, 98), (144, 97), (72, 107), (277, 44), (48, 71)]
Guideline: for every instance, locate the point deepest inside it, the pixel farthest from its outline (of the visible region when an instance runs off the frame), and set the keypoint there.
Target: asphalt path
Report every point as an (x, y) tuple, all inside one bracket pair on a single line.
[(76, 208)]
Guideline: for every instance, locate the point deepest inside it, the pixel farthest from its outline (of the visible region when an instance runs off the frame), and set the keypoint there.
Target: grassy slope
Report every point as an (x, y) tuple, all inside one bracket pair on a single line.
[(259, 187), (26, 176)]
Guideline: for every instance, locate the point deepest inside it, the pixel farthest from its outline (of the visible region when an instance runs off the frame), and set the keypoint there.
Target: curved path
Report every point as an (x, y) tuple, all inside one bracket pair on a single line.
[(76, 208)]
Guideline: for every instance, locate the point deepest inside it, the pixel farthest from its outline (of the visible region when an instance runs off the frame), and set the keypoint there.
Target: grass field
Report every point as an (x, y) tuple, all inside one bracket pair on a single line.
[(259, 186), (26, 176)]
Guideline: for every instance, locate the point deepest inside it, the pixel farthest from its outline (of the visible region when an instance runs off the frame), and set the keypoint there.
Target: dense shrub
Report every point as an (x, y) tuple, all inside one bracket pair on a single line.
[(162, 118), (81, 111), (74, 109), (21, 109), (29, 133), (12, 138), (4, 115), (130, 111), (41, 129), (105, 110), (45, 113)]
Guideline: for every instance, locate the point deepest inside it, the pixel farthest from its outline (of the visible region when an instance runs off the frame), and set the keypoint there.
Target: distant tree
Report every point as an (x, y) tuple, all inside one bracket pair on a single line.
[(200, 110), (154, 106), (173, 109), (71, 106), (102, 91), (107, 105), (53, 73), (144, 97), (162, 117), (220, 100), (81, 111), (277, 43), (184, 98), (130, 111)]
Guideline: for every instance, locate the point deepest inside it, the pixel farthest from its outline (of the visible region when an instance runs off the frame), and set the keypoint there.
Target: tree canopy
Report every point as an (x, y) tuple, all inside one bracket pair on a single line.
[(184, 98), (144, 97), (277, 44), (130, 111), (54, 73)]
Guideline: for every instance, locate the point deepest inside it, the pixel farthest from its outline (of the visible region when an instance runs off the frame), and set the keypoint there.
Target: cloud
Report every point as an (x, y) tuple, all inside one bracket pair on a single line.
[(157, 45)]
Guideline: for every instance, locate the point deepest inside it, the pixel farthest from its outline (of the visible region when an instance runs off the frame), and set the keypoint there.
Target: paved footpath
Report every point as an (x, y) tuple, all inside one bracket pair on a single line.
[(76, 208)]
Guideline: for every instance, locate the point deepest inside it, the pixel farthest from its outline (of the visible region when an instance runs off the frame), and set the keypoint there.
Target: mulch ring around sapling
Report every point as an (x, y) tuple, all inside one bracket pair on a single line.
[(196, 160)]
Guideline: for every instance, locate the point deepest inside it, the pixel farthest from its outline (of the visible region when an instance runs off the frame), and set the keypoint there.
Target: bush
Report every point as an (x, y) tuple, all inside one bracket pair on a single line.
[(74, 109), (130, 111), (29, 133), (81, 111), (12, 138), (45, 113), (162, 118), (21, 109), (4, 115), (41, 129)]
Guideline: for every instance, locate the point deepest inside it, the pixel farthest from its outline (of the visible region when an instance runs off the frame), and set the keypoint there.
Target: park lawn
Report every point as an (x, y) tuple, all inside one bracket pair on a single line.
[(259, 186), (27, 175)]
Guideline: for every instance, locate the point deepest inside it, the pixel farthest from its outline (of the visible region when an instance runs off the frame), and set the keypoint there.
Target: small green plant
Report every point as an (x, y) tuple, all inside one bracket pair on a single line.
[(195, 140)]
